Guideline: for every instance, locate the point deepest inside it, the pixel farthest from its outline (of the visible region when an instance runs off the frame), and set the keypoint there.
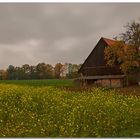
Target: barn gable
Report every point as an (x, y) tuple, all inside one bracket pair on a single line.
[(95, 57), (95, 63)]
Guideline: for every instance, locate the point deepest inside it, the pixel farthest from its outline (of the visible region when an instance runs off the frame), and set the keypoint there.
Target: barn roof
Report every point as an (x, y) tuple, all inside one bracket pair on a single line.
[(109, 41)]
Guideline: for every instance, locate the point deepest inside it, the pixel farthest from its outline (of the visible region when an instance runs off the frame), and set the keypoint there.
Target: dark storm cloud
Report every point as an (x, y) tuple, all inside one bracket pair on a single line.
[(51, 33)]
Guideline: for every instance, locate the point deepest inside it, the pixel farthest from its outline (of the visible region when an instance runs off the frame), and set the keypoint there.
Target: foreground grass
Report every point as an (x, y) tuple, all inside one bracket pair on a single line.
[(48, 82), (28, 111)]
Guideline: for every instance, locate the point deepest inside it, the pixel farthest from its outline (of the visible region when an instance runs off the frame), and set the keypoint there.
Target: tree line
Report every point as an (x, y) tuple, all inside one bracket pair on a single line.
[(40, 71)]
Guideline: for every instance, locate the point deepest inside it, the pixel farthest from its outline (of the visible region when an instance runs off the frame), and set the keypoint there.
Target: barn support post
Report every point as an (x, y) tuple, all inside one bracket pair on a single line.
[(101, 82), (127, 80), (84, 84), (110, 83)]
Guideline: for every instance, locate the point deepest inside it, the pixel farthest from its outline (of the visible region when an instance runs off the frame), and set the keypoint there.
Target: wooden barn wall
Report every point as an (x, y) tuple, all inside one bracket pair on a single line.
[(96, 58), (101, 71)]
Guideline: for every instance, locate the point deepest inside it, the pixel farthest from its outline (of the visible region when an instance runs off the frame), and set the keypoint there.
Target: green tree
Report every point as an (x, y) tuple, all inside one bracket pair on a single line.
[(41, 71), (33, 72), (73, 71), (50, 73), (26, 71), (11, 72), (19, 74)]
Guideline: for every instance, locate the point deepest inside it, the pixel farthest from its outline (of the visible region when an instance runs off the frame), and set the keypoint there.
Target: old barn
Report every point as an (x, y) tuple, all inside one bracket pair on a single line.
[(95, 70)]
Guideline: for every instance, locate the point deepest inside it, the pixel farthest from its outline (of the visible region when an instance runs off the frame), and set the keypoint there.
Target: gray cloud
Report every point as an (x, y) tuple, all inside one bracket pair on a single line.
[(32, 33)]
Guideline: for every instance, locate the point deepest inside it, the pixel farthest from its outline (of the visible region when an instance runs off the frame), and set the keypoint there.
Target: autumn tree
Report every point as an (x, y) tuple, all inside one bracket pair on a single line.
[(122, 55), (132, 37), (3, 74), (50, 72), (126, 53), (58, 70)]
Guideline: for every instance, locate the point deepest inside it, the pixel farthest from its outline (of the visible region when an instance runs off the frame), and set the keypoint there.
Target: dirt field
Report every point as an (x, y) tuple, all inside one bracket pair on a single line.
[(131, 90)]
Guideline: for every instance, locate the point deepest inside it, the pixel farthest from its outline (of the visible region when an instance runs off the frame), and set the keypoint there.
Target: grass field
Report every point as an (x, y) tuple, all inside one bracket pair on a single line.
[(41, 109), (49, 82)]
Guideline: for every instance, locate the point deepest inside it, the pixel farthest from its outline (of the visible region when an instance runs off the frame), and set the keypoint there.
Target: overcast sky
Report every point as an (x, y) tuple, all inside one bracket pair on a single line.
[(51, 33)]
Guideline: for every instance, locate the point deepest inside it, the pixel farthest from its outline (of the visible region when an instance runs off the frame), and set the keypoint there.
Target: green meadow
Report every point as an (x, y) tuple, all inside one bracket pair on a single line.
[(48, 82)]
